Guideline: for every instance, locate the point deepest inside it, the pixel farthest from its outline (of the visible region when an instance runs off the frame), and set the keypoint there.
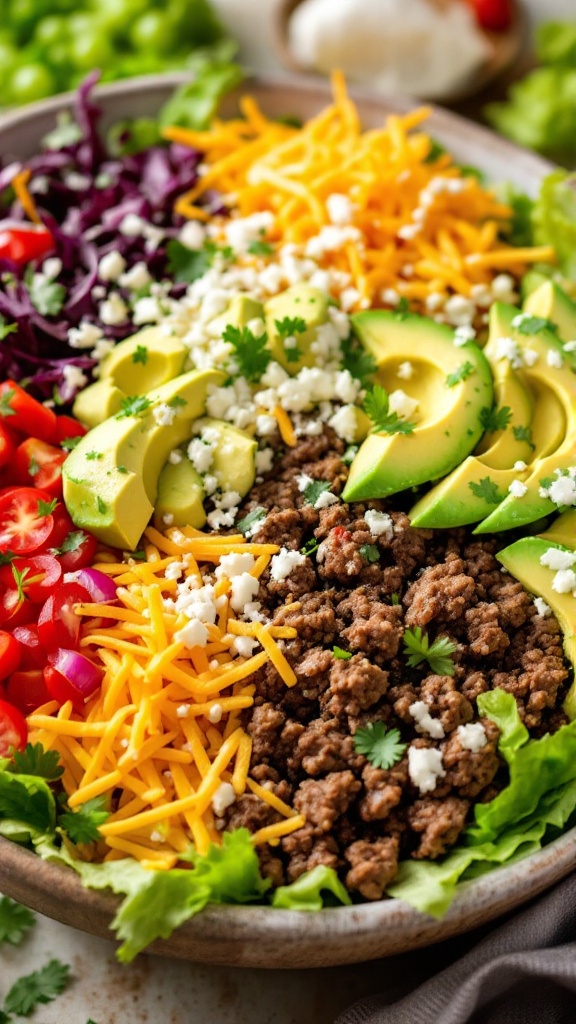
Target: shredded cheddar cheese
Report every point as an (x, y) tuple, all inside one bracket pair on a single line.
[(164, 732), (408, 206)]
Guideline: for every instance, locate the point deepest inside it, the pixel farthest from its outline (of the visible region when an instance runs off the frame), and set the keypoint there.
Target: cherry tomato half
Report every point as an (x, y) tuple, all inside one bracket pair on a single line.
[(32, 654), (27, 690), (38, 464), (67, 427), (58, 623), (80, 551), (15, 610), (10, 655), (22, 412), (493, 15), (25, 522), (6, 446), (36, 576), (24, 242), (13, 729)]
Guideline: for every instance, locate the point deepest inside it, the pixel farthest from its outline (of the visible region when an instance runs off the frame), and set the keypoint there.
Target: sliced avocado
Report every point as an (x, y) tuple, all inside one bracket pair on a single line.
[(306, 303), (111, 478), (452, 385), (240, 312), (551, 302), (522, 560), (563, 529), (144, 361), (180, 496), (97, 402), (233, 458), (532, 280), (557, 387)]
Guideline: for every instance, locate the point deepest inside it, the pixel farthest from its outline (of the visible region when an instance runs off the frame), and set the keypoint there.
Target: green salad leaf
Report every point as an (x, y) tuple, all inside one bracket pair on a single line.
[(306, 892), (554, 215)]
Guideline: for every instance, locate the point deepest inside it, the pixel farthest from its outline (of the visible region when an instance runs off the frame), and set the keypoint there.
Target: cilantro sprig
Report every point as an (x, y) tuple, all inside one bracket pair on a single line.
[(359, 363), (438, 654), (376, 405), (15, 921), (250, 352), (37, 988), (460, 374), (523, 434), (249, 523), (287, 329), (135, 405), (381, 746), (46, 295), (495, 419), (81, 826), (140, 355), (34, 760), (314, 489), (525, 323), (487, 490)]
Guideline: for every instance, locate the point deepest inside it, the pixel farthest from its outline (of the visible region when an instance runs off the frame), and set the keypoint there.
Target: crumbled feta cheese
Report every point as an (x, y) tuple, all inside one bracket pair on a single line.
[(242, 231), (84, 336), (379, 523), (266, 425), (408, 231), (182, 711), (570, 346), (517, 489), (405, 371), (218, 520), (325, 499), (556, 558), (425, 768), (349, 297), (562, 491), (147, 310), (201, 454), (507, 348), (462, 335), (164, 414), (340, 209), (472, 736), (243, 646), (192, 234), (52, 268), (554, 358), (503, 288), (73, 376), (223, 798), (284, 562), (234, 565), (330, 239), (459, 311), (530, 356), (111, 266), (244, 589), (113, 311), (424, 722), (303, 481), (345, 423), (564, 581), (136, 278), (215, 714), (519, 466), (401, 403), (174, 570), (156, 836), (390, 296), (175, 457), (543, 610), (131, 225), (434, 302), (193, 634), (264, 460), (168, 518), (102, 348)]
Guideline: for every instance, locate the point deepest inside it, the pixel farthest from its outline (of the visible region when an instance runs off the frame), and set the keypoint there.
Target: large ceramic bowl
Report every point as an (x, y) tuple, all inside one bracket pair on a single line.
[(258, 936)]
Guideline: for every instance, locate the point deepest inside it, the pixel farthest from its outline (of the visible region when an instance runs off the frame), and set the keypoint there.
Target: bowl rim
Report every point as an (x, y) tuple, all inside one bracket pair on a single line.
[(289, 938)]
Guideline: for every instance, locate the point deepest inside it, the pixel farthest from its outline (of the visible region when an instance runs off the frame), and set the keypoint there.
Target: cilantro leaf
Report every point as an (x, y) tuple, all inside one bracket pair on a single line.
[(290, 325), (523, 434), (177, 402), (140, 355), (6, 329), (525, 323), (310, 547), (250, 352), (69, 443), (487, 490), (46, 508), (247, 524), (381, 746), (341, 654), (462, 373), (495, 419), (359, 363), (39, 987), (33, 467), (133, 406), (93, 455), (5, 399), (370, 552), (72, 542), (438, 654), (81, 826), (46, 296), (260, 248), (313, 491), (102, 506), (15, 921), (184, 264), (34, 760), (376, 407)]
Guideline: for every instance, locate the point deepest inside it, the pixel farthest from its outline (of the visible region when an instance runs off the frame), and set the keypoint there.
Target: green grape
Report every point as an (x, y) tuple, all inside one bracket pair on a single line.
[(30, 82), (152, 32), (90, 51)]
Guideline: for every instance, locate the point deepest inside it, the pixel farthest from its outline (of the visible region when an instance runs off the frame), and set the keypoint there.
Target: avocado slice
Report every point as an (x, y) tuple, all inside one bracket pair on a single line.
[(522, 560), (549, 300), (97, 402), (563, 529), (308, 304), (180, 496), (478, 485), (557, 389), (240, 312), (448, 423), (233, 457), (144, 361), (110, 479)]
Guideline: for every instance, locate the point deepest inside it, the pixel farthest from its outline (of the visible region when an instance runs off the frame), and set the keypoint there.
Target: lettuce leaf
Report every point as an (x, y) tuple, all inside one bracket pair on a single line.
[(306, 892), (537, 803), (27, 800), (554, 215)]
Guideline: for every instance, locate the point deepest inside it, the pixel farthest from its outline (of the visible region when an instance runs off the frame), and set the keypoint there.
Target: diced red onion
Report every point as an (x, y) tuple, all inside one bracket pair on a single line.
[(101, 588), (80, 672)]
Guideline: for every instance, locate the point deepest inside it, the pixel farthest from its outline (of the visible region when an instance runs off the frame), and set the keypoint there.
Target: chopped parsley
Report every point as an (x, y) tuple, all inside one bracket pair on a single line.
[(524, 434), (15, 921), (34, 989), (395, 599), (102, 506), (133, 406), (93, 455), (313, 490), (359, 363), (69, 443), (377, 407), (46, 295), (370, 552), (260, 248), (140, 355), (81, 826), (34, 760), (46, 508), (341, 654), (72, 542), (186, 265), (462, 373), (310, 547), (495, 419), (487, 490), (250, 352), (438, 654), (525, 323), (177, 402), (381, 746), (247, 524)]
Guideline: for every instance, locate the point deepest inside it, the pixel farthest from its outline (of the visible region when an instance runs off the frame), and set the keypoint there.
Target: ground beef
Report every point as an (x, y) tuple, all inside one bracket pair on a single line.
[(350, 604)]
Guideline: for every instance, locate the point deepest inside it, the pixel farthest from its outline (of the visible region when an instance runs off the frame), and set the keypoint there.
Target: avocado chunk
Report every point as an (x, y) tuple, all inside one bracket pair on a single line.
[(144, 361), (552, 303), (481, 481), (233, 454), (239, 313), (180, 497), (523, 561), (111, 478), (562, 530), (542, 365), (452, 384), (97, 402), (304, 303)]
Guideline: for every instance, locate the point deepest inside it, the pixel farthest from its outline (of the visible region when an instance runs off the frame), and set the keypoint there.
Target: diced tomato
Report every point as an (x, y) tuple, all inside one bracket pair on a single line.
[(24, 413), (493, 15), (15, 610), (36, 576), (38, 464), (62, 526), (81, 550), (22, 243), (67, 427), (10, 655), (6, 446), (25, 522), (27, 690), (58, 623), (32, 654), (13, 729)]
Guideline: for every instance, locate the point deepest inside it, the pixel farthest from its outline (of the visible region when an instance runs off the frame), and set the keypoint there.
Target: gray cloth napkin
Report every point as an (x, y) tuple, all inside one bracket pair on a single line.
[(523, 972)]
